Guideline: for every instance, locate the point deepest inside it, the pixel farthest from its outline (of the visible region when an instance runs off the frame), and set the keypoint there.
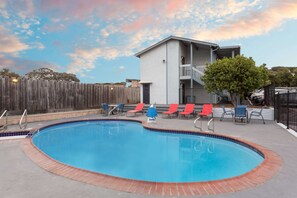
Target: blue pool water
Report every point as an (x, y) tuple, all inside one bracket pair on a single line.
[(126, 149)]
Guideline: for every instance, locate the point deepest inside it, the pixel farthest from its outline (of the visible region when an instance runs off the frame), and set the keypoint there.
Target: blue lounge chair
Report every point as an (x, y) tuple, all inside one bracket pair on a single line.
[(241, 114), (105, 108), (120, 108), (226, 112), (257, 114)]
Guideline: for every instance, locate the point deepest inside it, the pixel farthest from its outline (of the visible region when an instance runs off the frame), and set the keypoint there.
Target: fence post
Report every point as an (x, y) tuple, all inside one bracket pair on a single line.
[(288, 95), (278, 108), (274, 106)]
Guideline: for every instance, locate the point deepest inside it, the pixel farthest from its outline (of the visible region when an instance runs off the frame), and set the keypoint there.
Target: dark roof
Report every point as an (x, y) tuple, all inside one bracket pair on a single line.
[(176, 38), (226, 51), (130, 80)]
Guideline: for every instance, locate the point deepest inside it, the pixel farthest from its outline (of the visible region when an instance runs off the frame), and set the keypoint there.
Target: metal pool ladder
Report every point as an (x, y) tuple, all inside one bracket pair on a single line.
[(4, 126), (25, 115), (209, 128)]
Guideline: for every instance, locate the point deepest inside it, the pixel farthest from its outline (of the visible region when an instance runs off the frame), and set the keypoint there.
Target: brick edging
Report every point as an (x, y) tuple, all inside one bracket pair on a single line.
[(266, 170)]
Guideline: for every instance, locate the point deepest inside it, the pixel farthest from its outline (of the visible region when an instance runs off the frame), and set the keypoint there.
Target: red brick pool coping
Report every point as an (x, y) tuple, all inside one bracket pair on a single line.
[(266, 170)]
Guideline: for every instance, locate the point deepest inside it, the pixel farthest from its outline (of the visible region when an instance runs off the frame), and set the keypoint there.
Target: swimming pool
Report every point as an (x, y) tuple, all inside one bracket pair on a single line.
[(126, 149)]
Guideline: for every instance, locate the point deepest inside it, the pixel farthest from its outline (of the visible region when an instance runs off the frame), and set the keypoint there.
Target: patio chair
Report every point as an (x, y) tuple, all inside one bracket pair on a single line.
[(206, 111), (241, 114), (120, 108), (189, 110), (138, 109), (105, 108), (257, 114), (173, 110), (226, 112)]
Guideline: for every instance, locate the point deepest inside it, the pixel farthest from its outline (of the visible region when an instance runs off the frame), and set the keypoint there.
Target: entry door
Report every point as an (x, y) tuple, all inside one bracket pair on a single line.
[(183, 94), (146, 93)]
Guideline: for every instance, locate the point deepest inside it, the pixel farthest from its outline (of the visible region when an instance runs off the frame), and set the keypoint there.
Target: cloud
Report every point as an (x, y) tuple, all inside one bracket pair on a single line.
[(38, 45), (108, 30), (138, 24), (54, 27), (25, 25), (148, 23), (107, 9), (10, 43), (23, 9), (115, 28), (254, 23), (175, 6), (23, 66), (83, 60), (4, 14), (2, 4)]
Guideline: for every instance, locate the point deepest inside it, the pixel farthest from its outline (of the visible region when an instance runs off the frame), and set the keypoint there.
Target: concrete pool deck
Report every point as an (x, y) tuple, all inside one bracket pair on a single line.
[(22, 178)]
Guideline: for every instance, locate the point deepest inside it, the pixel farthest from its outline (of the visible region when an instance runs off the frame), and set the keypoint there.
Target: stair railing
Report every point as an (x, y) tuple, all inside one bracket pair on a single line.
[(24, 116), (197, 75), (4, 126)]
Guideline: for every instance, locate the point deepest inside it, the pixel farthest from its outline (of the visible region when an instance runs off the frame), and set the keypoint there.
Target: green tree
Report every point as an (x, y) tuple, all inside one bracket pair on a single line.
[(238, 75), (294, 81), (49, 74), (7, 73), (283, 76)]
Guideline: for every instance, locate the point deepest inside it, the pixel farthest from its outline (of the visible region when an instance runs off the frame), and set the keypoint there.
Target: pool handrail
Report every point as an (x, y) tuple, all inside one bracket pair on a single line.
[(208, 125), (4, 126), (195, 121), (114, 108), (25, 115)]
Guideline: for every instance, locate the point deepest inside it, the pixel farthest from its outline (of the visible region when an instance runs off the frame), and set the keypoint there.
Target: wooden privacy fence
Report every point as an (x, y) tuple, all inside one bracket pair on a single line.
[(39, 96)]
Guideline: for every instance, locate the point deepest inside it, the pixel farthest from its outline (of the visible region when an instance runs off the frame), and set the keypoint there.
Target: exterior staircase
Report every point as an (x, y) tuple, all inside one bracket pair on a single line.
[(198, 72)]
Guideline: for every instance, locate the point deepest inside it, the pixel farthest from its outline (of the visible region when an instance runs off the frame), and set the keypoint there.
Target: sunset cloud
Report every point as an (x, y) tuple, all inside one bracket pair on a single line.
[(254, 23), (83, 60), (10, 43), (23, 66), (81, 34)]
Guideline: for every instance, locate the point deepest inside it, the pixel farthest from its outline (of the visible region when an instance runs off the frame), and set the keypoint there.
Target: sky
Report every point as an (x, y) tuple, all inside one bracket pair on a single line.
[(97, 39)]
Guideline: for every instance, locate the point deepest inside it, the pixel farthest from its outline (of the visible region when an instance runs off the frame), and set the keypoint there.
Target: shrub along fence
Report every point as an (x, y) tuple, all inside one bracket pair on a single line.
[(40, 96)]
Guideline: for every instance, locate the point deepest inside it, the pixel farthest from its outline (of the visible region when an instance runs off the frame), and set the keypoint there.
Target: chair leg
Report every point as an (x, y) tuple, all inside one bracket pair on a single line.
[(263, 119), (250, 118), (222, 117)]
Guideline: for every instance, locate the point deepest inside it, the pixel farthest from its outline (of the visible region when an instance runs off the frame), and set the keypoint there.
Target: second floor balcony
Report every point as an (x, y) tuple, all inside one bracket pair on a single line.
[(185, 70)]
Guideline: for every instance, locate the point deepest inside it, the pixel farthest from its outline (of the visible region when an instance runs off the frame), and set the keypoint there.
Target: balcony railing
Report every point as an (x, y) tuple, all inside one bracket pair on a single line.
[(185, 71), (198, 71)]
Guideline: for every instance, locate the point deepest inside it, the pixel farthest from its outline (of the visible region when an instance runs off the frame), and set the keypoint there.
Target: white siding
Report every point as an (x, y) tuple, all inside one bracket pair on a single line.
[(201, 56), (185, 52), (153, 69), (201, 96), (164, 75), (173, 59)]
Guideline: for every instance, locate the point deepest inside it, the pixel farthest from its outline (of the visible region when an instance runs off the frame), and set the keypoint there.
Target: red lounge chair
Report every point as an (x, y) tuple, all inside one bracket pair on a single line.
[(189, 110), (138, 109), (206, 110), (173, 109)]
